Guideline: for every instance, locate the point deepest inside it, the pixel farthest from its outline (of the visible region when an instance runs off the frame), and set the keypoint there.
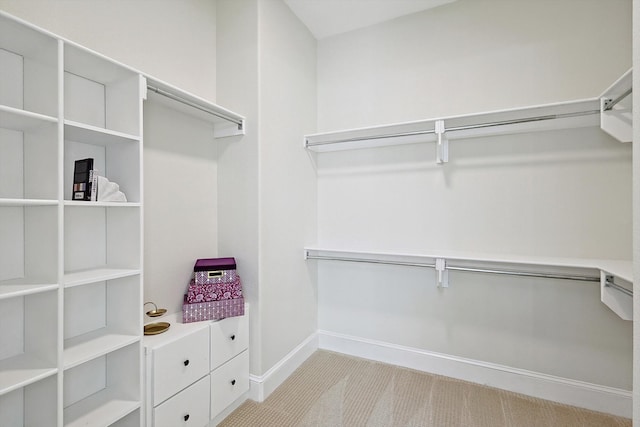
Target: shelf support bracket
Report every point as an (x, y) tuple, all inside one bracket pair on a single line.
[(442, 144), (442, 274)]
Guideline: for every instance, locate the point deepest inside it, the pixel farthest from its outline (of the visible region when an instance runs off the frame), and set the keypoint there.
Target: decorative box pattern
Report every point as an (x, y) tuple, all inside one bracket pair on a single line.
[(209, 271), (212, 310), (214, 292), (215, 276)]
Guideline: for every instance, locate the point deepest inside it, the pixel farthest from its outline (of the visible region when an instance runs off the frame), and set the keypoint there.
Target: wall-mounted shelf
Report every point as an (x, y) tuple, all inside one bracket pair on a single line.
[(616, 117), (226, 122), (614, 276), (574, 114), (611, 111)]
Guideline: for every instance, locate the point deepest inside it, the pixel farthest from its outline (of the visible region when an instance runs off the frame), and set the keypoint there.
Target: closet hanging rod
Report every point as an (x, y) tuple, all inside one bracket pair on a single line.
[(610, 103), (370, 261), (526, 274), (468, 269), (196, 106), (458, 128), (524, 120), (609, 282), (373, 137)]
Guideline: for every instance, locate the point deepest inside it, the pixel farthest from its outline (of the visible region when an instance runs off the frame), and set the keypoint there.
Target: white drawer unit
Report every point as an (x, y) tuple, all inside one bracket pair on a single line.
[(229, 382), (229, 337), (179, 364), (194, 371), (189, 408)]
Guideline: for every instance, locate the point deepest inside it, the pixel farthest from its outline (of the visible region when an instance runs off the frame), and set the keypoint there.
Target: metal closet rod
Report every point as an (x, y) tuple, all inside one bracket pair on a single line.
[(610, 103), (194, 105), (609, 282), (459, 128), (468, 269)]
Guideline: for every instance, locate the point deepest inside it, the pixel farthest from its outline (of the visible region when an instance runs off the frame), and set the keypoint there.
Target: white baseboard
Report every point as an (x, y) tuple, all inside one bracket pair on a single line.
[(571, 392), (262, 386)]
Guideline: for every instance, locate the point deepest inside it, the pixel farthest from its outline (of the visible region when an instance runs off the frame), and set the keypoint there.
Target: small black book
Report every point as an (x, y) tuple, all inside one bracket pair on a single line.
[(82, 179)]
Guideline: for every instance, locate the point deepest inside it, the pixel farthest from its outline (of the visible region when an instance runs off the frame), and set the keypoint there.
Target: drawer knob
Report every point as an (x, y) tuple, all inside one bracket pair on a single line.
[(233, 337), (186, 417), (233, 382), (186, 362)]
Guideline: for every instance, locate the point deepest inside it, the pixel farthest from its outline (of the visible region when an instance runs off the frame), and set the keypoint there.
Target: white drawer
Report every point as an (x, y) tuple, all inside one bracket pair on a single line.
[(179, 364), (229, 382), (229, 337), (189, 408)]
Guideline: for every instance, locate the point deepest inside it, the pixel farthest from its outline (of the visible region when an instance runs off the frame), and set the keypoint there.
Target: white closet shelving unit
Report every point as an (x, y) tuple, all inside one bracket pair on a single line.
[(71, 272), (611, 112)]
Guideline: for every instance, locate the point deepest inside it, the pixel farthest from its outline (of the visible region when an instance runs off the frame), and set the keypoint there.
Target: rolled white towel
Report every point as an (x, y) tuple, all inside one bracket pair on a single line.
[(109, 191)]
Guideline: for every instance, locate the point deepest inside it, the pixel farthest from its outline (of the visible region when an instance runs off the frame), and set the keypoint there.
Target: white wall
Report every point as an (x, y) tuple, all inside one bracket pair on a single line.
[(266, 69), (287, 180), (636, 213), (472, 56), (180, 203), (561, 193), (238, 89), (172, 41)]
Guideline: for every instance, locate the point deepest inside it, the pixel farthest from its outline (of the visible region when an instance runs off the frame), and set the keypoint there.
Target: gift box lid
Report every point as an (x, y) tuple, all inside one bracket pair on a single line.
[(208, 264)]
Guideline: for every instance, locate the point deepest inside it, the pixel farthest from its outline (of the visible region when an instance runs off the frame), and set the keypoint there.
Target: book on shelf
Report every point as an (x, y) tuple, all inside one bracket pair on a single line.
[(83, 180)]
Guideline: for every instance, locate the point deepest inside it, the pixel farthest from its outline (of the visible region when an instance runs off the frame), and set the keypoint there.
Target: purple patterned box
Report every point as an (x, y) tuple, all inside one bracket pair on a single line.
[(212, 310), (212, 277), (214, 292), (209, 271)]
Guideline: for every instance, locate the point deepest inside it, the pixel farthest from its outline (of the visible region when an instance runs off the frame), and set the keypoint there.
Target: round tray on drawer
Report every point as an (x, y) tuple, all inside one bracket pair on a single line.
[(156, 328)]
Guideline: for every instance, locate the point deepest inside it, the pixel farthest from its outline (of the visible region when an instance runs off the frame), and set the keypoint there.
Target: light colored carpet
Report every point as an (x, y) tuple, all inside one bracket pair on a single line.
[(334, 390)]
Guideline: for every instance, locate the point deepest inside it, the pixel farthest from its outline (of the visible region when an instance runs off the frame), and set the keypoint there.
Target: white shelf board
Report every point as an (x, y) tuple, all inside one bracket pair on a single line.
[(618, 268), (226, 122), (21, 287), (22, 370), (92, 65), (28, 202), (618, 120), (621, 269), (176, 331), (98, 410), (94, 344), (21, 120), (620, 86), (86, 204), (24, 38), (572, 114), (83, 277), (88, 134)]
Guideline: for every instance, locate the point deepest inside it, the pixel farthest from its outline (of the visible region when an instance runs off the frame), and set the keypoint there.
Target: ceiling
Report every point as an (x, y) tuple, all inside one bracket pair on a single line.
[(326, 18)]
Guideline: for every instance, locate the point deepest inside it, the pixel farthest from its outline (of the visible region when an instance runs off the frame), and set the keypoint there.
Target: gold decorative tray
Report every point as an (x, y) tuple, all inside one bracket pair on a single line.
[(156, 328)]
